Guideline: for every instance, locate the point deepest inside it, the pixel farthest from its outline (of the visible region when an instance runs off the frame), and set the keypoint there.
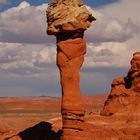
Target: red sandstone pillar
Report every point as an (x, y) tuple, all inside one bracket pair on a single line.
[(67, 20), (70, 57)]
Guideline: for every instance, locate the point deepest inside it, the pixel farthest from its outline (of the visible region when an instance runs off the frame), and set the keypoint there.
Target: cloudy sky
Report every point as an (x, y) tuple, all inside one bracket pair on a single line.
[(27, 54)]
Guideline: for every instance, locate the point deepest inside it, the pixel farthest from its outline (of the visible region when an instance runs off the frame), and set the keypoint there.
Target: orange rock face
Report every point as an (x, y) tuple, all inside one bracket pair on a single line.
[(125, 93), (69, 62), (67, 20)]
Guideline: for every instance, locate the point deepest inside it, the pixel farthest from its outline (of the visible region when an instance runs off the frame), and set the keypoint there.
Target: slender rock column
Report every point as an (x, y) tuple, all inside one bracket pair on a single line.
[(70, 58), (67, 20)]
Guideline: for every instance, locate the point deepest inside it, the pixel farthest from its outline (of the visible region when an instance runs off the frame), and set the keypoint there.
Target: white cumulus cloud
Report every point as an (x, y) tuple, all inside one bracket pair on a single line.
[(107, 55), (24, 24), (111, 29), (26, 51), (25, 58)]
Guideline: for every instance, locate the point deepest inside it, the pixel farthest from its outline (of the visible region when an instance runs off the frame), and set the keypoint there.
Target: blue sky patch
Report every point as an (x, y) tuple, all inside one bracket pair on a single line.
[(92, 3)]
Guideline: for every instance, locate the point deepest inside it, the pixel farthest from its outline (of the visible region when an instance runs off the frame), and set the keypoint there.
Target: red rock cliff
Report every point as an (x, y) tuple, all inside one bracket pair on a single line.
[(124, 97)]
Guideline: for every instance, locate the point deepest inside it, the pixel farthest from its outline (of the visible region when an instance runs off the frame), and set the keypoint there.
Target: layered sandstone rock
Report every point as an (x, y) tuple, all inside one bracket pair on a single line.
[(67, 16), (67, 20), (125, 93)]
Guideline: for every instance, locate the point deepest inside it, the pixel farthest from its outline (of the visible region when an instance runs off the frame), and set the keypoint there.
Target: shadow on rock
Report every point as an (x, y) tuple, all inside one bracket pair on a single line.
[(41, 131)]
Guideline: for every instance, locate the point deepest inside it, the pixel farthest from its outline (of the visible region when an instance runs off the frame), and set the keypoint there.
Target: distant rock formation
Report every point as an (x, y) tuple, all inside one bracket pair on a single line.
[(67, 20), (124, 97)]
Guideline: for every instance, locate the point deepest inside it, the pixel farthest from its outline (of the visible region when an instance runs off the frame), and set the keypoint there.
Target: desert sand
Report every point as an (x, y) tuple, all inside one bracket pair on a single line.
[(33, 116), (40, 119)]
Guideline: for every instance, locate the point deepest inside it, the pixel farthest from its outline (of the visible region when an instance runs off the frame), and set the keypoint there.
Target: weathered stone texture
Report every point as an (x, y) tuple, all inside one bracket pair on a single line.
[(67, 20), (125, 91), (67, 16)]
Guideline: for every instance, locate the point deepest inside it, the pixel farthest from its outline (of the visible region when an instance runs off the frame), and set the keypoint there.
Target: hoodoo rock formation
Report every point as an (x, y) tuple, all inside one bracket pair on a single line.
[(125, 94), (67, 20)]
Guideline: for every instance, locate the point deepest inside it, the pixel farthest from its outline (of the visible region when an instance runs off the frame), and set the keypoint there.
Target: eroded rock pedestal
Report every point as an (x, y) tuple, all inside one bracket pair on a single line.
[(70, 57), (67, 20), (124, 98)]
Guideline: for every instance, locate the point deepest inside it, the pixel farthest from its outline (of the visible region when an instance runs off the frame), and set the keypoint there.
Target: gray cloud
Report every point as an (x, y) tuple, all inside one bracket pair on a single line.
[(26, 59), (30, 59), (27, 24), (109, 54), (27, 54), (24, 24), (110, 29)]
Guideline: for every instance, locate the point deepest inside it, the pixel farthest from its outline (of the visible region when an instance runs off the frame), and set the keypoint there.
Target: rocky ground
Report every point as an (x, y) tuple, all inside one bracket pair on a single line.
[(40, 119), (37, 114)]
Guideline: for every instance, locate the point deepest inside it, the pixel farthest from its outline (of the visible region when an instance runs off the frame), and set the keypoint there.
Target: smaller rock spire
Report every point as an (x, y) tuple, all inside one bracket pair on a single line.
[(125, 90)]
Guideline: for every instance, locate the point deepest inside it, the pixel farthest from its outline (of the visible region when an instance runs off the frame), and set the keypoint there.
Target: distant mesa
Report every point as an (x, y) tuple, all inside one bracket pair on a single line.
[(125, 93)]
